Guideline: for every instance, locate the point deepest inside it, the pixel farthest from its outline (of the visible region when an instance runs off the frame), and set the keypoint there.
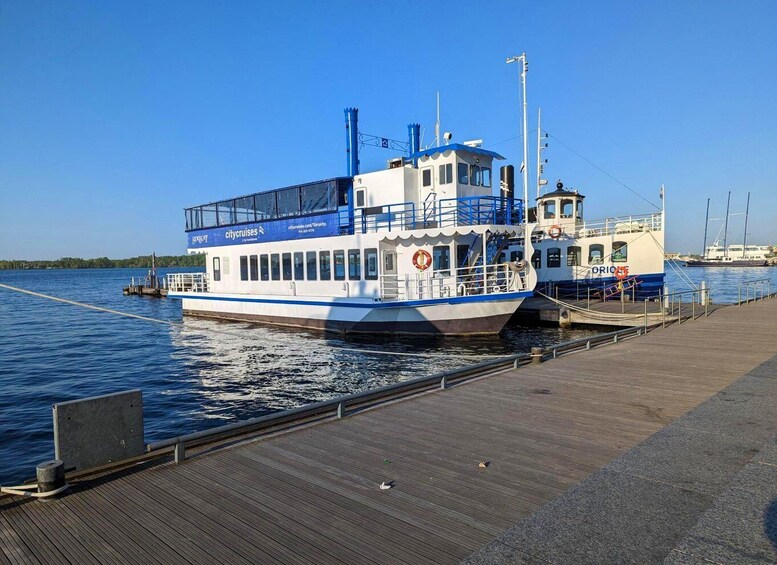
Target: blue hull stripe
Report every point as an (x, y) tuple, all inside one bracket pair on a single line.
[(412, 303)]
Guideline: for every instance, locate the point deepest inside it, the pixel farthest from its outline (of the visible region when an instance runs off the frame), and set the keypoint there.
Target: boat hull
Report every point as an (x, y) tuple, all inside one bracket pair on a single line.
[(466, 315), (739, 263)]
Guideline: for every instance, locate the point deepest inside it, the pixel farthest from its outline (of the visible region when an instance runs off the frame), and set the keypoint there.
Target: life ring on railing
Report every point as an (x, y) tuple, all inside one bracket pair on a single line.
[(422, 260), (621, 272), (554, 232)]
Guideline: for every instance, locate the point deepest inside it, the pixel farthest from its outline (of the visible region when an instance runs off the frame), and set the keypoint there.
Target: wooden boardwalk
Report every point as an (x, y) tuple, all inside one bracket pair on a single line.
[(312, 495)]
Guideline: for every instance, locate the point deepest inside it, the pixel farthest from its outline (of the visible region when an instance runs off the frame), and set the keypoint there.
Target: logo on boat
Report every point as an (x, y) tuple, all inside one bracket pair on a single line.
[(248, 232), (607, 270), (200, 239)]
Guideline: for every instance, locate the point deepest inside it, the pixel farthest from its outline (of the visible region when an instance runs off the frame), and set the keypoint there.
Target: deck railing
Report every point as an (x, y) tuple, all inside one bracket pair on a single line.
[(620, 224), (187, 282), (446, 283)]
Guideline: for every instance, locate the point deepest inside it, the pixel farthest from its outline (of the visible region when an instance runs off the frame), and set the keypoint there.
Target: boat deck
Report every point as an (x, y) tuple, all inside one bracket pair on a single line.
[(312, 495)]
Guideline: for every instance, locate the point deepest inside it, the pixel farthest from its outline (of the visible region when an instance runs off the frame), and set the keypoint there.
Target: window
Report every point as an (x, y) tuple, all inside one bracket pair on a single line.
[(595, 254), (265, 206), (354, 265), (288, 202), (474, 175), (264, 267), (426, 177), (371, 264), (573, 256), (549, 207), (446, 173), (388, 262), (461, 255), (554, 257), (325, 265), (441, 259), (567, 207), (516, 255), (244, 267), (620, 252), (536, 259), (275, 266), (360, 198), (286, 263), (486, 176), (254, 268), (463, 173), (299, 266), (311, 261), (216, 269), (226, 212), (580, 209), (244, 209), (339, 265), (318, 197)]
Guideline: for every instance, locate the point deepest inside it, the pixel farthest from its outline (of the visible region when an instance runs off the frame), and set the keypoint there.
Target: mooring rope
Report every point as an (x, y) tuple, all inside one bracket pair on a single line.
[(233, 334)]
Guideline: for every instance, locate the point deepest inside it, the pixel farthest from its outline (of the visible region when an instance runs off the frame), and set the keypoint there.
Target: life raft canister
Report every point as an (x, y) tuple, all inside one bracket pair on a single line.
[(554, 232), (621, 272), (422, 260)]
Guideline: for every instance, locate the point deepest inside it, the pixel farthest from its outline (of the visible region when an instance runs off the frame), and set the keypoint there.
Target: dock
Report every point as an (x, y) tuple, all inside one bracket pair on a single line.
[(652, 448)]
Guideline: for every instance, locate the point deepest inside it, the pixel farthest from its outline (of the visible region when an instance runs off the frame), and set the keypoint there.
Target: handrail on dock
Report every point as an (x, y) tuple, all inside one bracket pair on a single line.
[(762, 285), (341, 405)]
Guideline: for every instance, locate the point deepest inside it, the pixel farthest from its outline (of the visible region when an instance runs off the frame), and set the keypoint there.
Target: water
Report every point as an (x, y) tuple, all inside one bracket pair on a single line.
[(723, 282), (196, 375)]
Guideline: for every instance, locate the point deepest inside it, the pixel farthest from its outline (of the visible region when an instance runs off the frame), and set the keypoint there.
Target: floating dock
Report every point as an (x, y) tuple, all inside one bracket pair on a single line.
[(655, 447)]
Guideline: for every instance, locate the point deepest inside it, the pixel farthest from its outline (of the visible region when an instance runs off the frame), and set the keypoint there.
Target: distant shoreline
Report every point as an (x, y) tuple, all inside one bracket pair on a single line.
[(141, 262)]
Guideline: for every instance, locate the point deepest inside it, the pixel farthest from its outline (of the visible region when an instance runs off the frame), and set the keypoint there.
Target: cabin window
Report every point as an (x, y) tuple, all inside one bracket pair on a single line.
[(441, 259), (286, 264), (264, 267), (554, 257), (354, 265), (299, 266), (516, 255), (461, 255), (311, 261), (339, 265), (463, 173), (244, 267), (275, 266), (325, 265), (288, 202), (580, 209), (318, 197), (595, 254), (549, 209), (216, 269), (226, 212), (474, 175), (536, 259), (486, 176), (371, 264), (254, 264), (360, 198), (388, 262), (567, 207), (573, 256), (426, 177), (244, 209), (446, 173), (265, 206), (620, 252)]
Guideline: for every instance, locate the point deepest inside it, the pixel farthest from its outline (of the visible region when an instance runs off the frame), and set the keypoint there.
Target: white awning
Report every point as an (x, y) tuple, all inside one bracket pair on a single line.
[(435, 233)]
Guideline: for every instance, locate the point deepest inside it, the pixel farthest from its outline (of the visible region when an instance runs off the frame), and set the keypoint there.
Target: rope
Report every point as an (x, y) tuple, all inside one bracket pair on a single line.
[(233, 334), (23, 490), (592, 313)]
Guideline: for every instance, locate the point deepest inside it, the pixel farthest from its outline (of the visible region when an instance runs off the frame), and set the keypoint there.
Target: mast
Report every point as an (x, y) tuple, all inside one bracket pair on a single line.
[(725, 228), (539, 151), (706, 222), (744, 240), (525, 165), (437, 123)]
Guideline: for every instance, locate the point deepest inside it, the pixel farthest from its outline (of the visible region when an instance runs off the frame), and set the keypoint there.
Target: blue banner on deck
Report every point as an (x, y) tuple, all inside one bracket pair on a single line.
[(322, 225)]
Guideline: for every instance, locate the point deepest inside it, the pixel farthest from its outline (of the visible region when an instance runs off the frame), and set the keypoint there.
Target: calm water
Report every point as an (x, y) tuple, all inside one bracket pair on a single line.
[(193, 376)]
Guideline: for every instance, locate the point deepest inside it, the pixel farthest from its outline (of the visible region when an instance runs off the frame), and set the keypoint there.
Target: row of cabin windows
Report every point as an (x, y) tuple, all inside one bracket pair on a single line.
[(567, 209), (474, 175), (307, 265), (620, 254)]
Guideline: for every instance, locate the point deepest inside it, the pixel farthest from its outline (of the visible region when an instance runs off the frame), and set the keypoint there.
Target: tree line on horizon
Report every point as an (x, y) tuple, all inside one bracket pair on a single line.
[(142, 261)]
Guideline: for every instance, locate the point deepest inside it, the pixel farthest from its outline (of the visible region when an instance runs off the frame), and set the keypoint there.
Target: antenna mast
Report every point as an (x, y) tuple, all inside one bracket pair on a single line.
[(744, 240), (725, 227), (525, 165), (437, 124)]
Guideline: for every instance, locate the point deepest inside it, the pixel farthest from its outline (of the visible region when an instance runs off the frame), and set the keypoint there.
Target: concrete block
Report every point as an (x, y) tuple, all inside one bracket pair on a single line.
[(94, 431)]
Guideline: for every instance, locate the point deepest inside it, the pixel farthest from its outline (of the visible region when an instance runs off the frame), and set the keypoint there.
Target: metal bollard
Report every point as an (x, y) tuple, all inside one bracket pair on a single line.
[(340, 409), (50, 475), (444, 383), (179, 453), (536, 355)]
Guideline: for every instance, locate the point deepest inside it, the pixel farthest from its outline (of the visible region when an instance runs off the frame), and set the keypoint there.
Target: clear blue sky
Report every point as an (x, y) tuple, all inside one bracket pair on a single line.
[(114, 116)]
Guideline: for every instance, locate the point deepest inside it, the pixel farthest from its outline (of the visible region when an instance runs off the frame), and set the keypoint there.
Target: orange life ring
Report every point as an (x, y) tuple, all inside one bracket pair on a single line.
[(554, 232), (422, 260), (621, 272)]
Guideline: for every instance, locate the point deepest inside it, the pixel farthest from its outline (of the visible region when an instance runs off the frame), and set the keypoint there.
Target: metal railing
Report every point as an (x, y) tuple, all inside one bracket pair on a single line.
[(620, 225), (446, 283), (674, 310), (754, 290), (187, 282), (342, 405)]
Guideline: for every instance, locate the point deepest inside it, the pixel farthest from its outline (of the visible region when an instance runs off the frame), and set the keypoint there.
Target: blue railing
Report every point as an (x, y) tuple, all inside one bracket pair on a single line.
[(467, 211)]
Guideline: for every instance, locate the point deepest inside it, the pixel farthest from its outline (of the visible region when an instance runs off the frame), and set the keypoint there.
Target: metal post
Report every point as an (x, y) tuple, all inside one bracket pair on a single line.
[(443, 383), (739, 290), (589, 298), (179, 453), (646, 318), (340, 409), (693, 306), (680, 309)]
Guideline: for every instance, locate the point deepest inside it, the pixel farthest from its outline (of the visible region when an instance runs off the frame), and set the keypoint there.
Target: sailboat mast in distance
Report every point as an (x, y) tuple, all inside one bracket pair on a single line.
[(725, 228), (706, 222), (744, 239)]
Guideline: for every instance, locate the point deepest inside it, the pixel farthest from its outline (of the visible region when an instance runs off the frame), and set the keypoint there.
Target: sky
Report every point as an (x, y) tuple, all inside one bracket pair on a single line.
[(115, 116)]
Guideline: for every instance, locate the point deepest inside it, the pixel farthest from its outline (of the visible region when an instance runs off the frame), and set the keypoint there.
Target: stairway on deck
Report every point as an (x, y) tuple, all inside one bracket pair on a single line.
[(701, 490)]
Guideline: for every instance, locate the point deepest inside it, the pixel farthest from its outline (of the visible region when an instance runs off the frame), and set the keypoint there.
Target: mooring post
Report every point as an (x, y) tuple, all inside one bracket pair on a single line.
[(340, 409), (50, 475), (536, 355), (179, 453), (444, 382)]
